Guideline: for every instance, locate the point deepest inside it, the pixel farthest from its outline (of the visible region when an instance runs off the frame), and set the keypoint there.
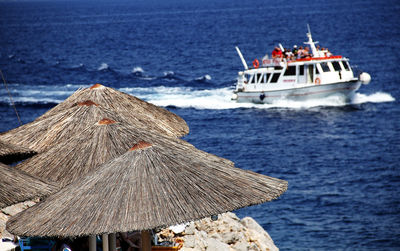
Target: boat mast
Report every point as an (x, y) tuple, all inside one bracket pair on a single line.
[(310, 42), (242, 58)]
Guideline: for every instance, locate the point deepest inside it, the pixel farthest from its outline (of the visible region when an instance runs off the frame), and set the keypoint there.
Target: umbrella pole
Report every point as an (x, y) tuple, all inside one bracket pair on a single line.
[(146, 241), (92, 243), (112, 242), (105, 242)]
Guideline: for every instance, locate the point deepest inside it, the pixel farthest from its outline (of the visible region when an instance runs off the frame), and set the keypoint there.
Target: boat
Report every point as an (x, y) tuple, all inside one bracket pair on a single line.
[(314, 76)]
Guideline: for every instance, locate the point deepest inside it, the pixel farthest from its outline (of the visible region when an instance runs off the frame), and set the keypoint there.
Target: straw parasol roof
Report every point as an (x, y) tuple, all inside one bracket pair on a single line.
[(10, 153), (17, 186), (128, 106), (44, 133), (149, 186), (107, 139)]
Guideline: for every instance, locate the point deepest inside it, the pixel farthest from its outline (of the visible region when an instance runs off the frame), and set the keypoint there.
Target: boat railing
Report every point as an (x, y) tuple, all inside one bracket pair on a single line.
[(315, 58), (281, 62)]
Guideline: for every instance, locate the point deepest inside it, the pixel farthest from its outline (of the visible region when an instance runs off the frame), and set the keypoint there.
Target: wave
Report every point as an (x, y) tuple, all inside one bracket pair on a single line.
[(170, 75), (41, 69), (204, 78), (39, 94), (220, 98), (76, 67), (378, 97), (181, 97), (103, 67), (137, 69)]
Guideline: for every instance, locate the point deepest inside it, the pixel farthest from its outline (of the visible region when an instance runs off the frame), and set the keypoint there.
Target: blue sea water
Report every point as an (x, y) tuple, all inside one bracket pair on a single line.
[(342, 161)]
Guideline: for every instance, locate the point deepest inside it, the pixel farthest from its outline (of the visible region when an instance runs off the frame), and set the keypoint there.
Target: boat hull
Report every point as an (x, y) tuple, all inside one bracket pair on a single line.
[(343, 89)]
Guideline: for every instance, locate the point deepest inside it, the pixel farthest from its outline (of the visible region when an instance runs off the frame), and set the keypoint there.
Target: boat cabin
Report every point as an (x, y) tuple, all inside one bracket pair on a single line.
[(300, 71)]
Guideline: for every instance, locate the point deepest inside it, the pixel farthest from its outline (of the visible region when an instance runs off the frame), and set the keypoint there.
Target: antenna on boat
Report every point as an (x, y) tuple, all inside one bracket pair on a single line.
[(9, 94), (310, 42), (242, 58)]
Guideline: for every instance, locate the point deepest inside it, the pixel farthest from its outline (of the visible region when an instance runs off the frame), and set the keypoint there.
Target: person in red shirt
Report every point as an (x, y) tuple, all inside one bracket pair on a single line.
[(277, 53)]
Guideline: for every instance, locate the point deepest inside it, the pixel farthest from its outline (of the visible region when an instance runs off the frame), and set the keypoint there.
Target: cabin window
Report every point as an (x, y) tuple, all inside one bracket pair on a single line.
[(346, 65), (259, 75), (267, 77), (325, 67), (316, 69), (278, 67), (336, 66), (252, 79), (275, 77), (301, 70), (290, 71)]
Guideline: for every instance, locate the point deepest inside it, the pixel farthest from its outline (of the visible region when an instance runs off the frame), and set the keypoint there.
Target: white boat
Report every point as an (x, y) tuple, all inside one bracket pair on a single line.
[(317, 76)]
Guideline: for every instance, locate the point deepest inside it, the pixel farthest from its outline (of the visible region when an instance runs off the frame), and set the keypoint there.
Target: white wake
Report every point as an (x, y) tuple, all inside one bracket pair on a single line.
[(214, 99)]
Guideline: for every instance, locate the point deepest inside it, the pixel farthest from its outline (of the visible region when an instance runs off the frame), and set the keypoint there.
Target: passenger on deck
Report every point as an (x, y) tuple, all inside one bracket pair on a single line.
[(294, 51), (288, 54), (306, 53), (323, 52), (328, 53), (300, 52), (277, 53)]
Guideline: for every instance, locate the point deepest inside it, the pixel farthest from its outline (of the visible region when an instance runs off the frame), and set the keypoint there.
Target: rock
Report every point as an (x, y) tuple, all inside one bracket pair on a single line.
[(241, 245), (215, 236), (190, 249), (232, 216), (258, 235), (190, 241), (252, 224), (254, 247), (214, 244), (201, 240), (232, 237), (191, 229)]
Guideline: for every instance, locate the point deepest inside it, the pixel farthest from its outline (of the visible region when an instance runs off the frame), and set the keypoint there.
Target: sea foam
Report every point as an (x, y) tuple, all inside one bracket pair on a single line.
[(220, 98)]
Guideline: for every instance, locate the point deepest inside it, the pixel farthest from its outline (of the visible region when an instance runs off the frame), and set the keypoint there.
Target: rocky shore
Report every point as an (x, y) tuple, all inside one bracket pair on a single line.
[(228, 233)]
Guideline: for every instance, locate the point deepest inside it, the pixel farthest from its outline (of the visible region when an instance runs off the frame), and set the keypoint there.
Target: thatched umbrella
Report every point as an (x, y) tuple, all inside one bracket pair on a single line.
[(17, 186), (128, 106), (104, 140), (10, 153), (43, 134), (149, 186)]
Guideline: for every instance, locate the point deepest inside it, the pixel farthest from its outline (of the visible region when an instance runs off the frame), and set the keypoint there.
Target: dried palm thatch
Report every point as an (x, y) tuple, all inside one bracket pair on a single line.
[(10, 153), (17, 186), (105, 140), (128, 106), (150, 186), (44, 133)]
